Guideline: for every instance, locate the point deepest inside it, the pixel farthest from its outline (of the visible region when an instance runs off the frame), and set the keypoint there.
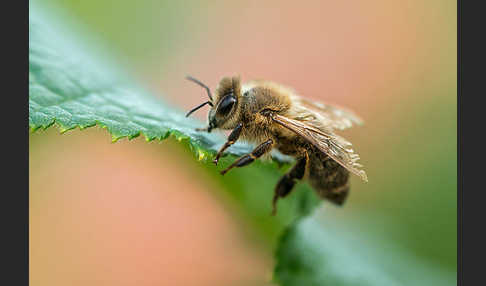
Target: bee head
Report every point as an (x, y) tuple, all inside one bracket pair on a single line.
[(224, 105)]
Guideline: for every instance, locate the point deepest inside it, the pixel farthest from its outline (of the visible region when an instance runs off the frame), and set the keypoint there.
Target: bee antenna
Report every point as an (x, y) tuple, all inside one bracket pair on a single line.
[(199, 106), (201, 84)]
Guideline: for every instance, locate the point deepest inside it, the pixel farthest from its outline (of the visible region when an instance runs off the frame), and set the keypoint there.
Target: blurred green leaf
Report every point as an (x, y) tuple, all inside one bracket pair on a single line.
[(317, 251), (71, 87)]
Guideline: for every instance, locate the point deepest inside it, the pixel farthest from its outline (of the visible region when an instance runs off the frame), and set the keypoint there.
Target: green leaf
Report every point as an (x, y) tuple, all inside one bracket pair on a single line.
[(72, 89), (317, 251), (73, 84)]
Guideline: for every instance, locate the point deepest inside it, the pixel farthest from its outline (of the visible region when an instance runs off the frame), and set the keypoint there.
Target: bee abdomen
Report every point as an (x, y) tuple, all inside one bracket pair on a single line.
[(329, 179)]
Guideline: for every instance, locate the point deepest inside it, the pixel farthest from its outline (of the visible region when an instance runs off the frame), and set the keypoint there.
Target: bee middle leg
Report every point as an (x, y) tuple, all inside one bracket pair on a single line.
[(259, 151), (287, 182)]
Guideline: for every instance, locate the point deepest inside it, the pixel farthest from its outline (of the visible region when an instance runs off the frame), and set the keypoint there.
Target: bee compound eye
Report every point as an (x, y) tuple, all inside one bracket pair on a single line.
[(226, 105)]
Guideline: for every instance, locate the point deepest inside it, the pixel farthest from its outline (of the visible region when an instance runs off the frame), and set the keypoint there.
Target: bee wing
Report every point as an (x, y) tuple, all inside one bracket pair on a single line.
[(331, 144), (334, 116)]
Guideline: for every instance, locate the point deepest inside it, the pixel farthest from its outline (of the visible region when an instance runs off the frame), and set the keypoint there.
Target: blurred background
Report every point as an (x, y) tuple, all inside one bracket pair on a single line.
[(100, 212)]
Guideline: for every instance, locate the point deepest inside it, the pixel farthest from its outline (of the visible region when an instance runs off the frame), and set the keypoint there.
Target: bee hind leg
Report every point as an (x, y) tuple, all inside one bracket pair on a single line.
[(287, 182), (259, 151)]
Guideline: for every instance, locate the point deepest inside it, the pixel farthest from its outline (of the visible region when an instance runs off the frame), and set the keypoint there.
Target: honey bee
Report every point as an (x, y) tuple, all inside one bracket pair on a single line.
[(274, 116)]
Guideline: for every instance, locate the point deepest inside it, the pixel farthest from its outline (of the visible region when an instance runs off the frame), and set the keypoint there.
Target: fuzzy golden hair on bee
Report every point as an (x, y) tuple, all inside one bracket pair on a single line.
[(274, 116), (226, 86)]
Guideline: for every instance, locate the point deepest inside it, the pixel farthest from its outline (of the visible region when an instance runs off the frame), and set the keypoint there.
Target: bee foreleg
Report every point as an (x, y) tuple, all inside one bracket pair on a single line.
[(259, 151), (287, 182), (232, 138)]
